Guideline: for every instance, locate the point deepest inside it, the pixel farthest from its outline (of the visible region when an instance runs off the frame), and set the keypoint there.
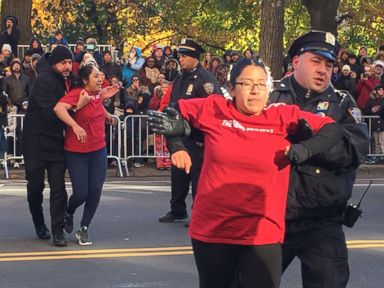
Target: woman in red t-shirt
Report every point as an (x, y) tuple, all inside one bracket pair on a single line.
[(85, 148), (237, 222)]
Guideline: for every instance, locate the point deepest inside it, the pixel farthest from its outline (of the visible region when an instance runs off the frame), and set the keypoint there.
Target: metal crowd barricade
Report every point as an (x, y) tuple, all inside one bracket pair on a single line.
[(113, 137), (113, 132), (368, 120), (14, 130), (137, 141)]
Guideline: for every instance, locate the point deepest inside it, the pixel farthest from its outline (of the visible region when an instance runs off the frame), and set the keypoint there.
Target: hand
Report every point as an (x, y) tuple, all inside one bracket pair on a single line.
[(80, 133), (168, 123), (83, 99), (375, 109), (297, 153), (182, 160), (109, 119), (109, 91)]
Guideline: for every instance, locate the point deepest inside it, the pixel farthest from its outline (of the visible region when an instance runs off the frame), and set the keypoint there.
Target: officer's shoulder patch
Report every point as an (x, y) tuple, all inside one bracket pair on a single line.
[(344, 95), (209, 87), (355, 113)]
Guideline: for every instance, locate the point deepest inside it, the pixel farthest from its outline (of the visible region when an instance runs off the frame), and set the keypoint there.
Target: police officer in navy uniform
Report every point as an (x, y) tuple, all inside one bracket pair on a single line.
[(193, 82), (320, 188)]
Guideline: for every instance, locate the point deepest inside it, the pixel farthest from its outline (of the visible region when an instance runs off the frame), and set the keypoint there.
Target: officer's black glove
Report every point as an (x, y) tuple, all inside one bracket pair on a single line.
[(298, 153), (168, 123)]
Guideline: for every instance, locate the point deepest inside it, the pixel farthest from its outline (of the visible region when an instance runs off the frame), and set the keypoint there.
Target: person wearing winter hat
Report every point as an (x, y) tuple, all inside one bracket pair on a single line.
[(31, 73), (11, 34), (17, 85), (345, 81), (43, 140), (6, 50), (378, 70), (90, 47)]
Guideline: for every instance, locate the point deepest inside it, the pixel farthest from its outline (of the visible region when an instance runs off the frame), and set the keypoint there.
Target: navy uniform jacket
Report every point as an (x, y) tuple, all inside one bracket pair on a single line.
[(198, 83), (320, 187)]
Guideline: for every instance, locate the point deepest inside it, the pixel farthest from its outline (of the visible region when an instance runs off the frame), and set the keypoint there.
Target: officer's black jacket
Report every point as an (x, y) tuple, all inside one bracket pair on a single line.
[(196, 84), (320, 187)]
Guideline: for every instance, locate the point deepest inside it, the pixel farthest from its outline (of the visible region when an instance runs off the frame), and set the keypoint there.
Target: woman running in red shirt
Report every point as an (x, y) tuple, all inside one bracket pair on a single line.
[(237, 221), (85, 147)]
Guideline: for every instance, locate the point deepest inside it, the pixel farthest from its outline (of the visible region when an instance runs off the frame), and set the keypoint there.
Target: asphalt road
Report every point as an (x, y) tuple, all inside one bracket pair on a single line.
[(132, 249)]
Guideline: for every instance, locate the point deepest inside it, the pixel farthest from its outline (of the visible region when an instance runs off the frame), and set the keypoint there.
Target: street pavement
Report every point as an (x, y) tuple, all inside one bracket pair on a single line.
[(132, 249)]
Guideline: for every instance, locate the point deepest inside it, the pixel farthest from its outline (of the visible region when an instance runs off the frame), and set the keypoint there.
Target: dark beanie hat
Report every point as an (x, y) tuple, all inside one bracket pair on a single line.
[(15, 61), (59, 54)]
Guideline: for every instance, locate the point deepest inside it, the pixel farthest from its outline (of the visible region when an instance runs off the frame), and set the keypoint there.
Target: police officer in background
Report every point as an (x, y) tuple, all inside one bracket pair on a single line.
[(193, 82), (320, 187)]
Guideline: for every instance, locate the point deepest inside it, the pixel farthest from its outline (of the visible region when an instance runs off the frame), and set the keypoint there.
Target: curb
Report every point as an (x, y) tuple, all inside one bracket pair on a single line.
[(365, 171)]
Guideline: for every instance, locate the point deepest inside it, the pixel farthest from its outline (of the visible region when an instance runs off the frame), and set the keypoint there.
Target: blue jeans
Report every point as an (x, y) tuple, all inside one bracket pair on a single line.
[(87, 172)]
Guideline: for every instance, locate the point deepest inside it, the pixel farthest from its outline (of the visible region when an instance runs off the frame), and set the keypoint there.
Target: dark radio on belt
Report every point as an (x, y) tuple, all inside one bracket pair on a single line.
[(353, 212)]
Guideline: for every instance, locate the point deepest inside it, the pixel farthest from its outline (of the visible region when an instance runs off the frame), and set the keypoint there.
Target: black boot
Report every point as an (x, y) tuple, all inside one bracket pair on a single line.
[(68, 220), (58, 238), (42, 232)]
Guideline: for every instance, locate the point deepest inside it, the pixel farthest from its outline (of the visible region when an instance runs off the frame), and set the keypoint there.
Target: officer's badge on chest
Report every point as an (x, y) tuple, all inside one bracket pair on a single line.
[(189, 89)]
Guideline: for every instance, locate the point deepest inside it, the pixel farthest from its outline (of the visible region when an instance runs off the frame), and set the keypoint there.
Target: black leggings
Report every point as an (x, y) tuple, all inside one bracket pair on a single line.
[(257, 266)]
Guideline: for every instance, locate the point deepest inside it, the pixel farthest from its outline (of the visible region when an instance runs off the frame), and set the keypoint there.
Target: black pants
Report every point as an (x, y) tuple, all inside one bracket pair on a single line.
[(180, 180), (323, 255), (35, 172), (257, 266)]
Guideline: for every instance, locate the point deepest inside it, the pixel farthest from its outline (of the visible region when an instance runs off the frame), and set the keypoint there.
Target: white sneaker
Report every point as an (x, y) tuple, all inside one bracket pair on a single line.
[(82, 236)]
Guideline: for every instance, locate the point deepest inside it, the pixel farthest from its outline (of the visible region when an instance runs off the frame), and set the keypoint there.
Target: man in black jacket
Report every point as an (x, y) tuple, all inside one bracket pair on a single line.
[(17, 86), (43, 142), (194, 82), (320, 187)]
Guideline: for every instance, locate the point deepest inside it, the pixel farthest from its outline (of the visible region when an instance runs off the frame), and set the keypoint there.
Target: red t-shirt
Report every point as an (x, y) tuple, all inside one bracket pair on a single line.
[(242, 190), (91, 118)]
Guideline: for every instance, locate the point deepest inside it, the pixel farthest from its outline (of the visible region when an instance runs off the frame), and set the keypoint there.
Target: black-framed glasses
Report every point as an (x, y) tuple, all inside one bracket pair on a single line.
[(249, 85)]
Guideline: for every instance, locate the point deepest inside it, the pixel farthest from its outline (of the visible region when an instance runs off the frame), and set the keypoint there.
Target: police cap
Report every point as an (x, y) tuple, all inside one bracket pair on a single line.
[(190, 48), (319, 42)]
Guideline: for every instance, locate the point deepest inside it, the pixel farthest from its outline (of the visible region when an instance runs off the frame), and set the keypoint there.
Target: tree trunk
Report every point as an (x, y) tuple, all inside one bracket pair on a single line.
[(271, 35), (21, 9), (323, 14)]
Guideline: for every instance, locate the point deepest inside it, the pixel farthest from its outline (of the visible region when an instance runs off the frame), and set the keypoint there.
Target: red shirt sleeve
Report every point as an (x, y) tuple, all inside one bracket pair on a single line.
[(197, 110), (315, 121)]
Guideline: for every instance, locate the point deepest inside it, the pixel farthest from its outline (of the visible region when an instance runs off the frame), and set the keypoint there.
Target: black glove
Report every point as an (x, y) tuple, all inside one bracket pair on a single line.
[(128, 64), (302, 133), (168, 123), (298, 153)]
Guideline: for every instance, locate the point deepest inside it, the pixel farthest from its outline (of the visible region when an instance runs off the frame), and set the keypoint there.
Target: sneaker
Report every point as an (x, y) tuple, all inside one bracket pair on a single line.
[(370, 161), (169, 217), (82, 236), (68, 220), (186, 224), (138, 165)]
